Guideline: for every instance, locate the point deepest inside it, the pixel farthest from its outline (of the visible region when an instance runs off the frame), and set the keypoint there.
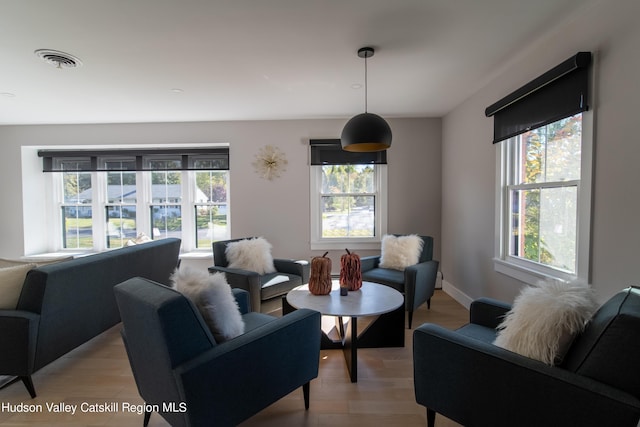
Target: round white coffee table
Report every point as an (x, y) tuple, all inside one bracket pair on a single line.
[(373, 299)]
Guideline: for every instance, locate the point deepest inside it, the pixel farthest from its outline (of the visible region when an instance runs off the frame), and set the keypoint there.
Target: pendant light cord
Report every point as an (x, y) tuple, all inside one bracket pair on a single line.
[(365, 83)]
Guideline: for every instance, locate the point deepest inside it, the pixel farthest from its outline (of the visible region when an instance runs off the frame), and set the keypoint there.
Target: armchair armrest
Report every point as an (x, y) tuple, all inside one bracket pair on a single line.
[(468, 380), (237, 278), (419, 282), (283, 354), (18, 335), (291, 266), (488, 312), (369, 262)]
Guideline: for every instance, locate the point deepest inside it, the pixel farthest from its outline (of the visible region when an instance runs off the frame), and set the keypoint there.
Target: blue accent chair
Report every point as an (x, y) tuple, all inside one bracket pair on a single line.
[(417, 282), (463, 376), (258, 286), (189, 379)]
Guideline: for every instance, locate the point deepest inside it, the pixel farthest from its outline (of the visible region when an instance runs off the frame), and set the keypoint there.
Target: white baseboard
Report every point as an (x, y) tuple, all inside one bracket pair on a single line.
[(456, 294)]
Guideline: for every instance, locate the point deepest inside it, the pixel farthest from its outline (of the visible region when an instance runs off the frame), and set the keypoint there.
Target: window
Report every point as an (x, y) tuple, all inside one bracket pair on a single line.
[(544, 180), (121, 203), (543, 170), (76, 205), (166, 198), (211, 207), (107, 198), (348, 203)]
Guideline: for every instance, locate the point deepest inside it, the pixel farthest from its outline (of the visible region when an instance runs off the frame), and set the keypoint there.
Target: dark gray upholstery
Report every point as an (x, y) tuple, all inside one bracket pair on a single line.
[(175, 359), (65, 304), (254, 283), (463, 376), (417, 282)]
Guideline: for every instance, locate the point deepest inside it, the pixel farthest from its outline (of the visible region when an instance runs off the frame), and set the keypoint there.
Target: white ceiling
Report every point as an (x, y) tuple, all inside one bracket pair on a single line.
[(255, 59)]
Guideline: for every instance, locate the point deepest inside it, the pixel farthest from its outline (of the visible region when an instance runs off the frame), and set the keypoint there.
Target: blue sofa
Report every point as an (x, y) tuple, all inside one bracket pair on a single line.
[(192, 380), (64, 305)]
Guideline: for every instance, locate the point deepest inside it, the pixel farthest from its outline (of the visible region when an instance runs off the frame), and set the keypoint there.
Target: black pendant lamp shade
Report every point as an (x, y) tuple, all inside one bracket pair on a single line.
[(367, 131)]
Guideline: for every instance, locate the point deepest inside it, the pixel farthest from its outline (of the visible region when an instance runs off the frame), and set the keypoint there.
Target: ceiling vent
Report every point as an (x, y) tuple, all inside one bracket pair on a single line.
[(58, 59)]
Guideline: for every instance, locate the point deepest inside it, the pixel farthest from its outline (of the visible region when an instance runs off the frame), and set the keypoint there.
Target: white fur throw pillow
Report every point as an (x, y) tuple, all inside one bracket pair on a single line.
[(545, 318), (11, 281), (212, 295), (251, 254), (399, 252)]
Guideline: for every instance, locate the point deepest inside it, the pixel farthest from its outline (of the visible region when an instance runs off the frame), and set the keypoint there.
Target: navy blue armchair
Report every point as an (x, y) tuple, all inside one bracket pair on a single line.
[(463, 376), (189, 379), (261, 287), (417, 282)]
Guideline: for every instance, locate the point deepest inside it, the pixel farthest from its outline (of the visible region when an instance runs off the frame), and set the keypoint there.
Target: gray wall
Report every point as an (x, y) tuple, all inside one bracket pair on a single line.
[(278, 209), (469, 160)]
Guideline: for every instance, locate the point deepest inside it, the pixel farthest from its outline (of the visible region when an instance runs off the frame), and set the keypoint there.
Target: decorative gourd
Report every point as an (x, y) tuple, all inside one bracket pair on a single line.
[(320, 275), (350, 271)]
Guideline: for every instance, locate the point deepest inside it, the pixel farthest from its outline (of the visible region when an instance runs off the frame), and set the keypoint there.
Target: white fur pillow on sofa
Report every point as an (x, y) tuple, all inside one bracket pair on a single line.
[(545, 318), (251, 254), (399, 252), (212, 295), (11, 281)]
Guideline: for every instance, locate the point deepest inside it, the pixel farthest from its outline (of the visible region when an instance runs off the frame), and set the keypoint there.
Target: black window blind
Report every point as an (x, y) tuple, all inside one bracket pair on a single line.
[(560, 92)]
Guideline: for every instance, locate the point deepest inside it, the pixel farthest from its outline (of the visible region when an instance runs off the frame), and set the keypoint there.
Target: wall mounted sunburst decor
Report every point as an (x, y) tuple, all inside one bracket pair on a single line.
[(270, 162)]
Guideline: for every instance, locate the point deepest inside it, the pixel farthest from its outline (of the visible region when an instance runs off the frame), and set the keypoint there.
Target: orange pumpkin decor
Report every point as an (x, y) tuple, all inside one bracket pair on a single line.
[(350, 271), (320, 275)]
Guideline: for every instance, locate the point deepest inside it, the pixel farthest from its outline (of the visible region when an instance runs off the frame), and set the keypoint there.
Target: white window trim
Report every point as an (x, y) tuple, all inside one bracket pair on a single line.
[(355, 243), (531, 272)]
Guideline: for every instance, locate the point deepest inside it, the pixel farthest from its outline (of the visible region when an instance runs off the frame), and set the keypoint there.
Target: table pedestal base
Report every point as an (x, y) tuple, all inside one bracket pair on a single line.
[(385, 330)]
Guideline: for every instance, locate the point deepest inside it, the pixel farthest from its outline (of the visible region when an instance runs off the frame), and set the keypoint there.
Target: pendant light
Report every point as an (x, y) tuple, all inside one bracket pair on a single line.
[(367, 131)]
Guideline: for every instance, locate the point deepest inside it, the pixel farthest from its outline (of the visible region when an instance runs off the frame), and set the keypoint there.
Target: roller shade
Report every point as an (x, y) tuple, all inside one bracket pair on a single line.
[(330, 152), (135, 160), (560, 92)]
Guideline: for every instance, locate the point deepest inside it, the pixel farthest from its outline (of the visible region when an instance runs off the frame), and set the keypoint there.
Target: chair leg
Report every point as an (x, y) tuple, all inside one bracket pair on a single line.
[(431, 418), (29, 385), (410, 318), (305, 391), (147, 417), (429, 304)]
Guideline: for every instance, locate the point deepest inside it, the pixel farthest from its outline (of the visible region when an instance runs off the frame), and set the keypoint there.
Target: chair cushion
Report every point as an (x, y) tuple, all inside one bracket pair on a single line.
[(253, 320), (545, 318), (213, 297), (399, 252), (608, 350), (279, 287), (385, 276), (251, 254)]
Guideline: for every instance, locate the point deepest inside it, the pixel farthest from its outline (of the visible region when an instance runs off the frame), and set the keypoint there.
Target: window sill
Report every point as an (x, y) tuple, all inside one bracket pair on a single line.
[(196, 255), (527, 275), (54, 256)]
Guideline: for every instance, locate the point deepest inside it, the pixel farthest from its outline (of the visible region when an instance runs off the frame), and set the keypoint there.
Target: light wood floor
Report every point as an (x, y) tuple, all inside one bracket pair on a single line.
[(98, 372)]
